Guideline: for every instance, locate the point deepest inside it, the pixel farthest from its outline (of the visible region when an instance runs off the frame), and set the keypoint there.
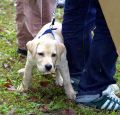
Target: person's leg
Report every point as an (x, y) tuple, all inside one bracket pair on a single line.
[(23, 34), (31, 16), (100, 68), (46, 13), (77, 34), (37, 14)]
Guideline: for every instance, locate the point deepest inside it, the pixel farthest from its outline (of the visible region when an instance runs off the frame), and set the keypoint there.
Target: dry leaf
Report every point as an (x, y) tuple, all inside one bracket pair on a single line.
[(9, 85), (11, 88), (68, 112), (44, 108), (33, 98), (44, 83)]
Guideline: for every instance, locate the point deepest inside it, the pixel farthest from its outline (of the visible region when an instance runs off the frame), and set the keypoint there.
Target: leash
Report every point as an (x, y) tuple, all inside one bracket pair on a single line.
[(41, 11), (51, 28), (54, 15)]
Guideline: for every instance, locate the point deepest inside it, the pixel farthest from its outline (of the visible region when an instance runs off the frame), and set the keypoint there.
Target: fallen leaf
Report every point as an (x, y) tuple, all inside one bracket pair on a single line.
[(68, 111), (5, 65), (11, 88), (44, 83), (9, 85), (44, 108), (33, 98)]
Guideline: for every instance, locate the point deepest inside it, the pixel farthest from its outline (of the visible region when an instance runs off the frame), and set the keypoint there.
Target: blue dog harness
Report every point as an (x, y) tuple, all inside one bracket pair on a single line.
[(49, 31)]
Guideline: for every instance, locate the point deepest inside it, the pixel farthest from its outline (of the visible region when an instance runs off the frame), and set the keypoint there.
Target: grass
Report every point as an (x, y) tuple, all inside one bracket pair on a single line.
[(44, 98)]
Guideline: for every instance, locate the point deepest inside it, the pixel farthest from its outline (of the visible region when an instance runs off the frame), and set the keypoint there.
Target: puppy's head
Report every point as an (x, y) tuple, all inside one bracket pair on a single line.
[(46, 54)]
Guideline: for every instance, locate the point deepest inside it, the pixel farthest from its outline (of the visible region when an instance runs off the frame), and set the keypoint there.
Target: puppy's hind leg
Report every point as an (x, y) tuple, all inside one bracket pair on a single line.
[(26, 78)]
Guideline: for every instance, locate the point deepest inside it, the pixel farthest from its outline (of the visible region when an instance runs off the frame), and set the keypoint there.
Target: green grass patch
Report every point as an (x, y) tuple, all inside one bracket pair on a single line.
[(44, 98)]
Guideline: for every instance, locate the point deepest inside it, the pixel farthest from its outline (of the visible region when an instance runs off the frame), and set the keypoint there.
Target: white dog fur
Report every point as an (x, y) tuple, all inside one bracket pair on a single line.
[(49, 55)]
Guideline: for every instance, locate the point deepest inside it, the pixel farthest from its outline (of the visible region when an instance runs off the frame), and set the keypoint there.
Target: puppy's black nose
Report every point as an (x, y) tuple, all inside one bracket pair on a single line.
[(48, 67)]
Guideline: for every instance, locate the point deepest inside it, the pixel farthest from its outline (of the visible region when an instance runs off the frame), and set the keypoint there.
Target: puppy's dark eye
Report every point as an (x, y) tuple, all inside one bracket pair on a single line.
[(41, 54), (54, 55)]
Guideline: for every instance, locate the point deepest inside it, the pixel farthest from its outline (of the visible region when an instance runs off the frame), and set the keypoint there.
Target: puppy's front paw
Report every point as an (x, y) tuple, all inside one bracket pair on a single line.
[(71, 94), (59, 81), (22, 88)]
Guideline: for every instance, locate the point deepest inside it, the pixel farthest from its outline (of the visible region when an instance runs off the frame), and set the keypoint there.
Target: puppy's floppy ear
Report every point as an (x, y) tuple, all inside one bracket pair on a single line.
[(60, 50), (32, 46)]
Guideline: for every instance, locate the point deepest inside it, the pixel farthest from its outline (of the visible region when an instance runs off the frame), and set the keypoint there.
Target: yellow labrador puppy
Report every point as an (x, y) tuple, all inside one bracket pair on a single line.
[(48, 53)]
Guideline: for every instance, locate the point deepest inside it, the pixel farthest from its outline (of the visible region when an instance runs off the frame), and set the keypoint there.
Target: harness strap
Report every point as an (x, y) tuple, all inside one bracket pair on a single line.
[(52, 23), (49, 31)]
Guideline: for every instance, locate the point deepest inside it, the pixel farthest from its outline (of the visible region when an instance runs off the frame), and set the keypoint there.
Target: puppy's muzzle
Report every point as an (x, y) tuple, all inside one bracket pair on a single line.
[(48, 67)]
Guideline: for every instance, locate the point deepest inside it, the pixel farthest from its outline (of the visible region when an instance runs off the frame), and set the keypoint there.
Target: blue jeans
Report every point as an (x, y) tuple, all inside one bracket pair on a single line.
[(91, 60)]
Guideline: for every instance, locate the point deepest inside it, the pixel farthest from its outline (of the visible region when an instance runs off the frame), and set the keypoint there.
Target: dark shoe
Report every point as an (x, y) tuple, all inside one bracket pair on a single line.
[(22, 52), (106, 102)]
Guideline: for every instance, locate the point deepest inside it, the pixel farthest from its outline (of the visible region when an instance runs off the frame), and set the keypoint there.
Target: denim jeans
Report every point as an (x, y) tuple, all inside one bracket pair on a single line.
[(91, 60)]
